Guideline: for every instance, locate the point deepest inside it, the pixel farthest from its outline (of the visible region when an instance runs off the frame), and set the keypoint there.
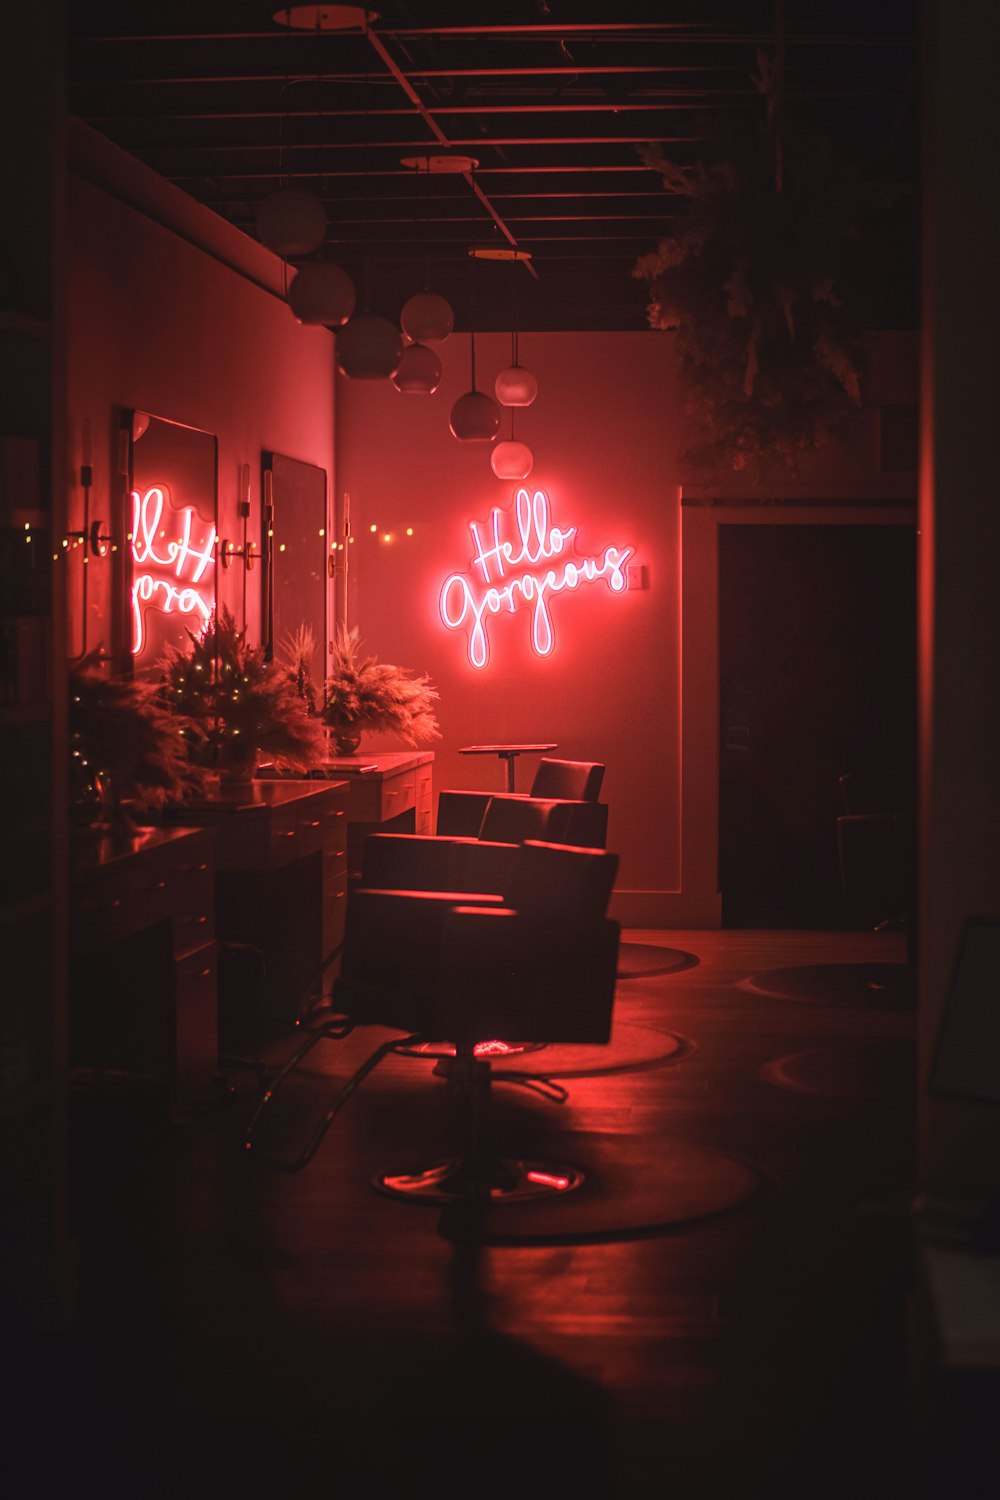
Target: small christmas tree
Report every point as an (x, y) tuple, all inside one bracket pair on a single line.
[(234, 704)]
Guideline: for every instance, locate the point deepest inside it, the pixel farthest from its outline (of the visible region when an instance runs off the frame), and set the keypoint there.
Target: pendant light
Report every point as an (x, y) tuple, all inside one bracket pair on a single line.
[(419, 372), (291, 221), (427, 317), (369, 347), (475, 417), (515, 386), (322, 293), (511, 459)]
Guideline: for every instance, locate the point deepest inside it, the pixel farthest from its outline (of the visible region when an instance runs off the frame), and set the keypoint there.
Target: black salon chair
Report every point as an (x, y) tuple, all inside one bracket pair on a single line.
[(462, 813), (536, 960)]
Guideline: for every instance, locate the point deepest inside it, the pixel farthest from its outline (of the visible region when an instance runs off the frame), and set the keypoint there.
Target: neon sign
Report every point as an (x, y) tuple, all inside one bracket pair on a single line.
[(171, 573), (524, 572)]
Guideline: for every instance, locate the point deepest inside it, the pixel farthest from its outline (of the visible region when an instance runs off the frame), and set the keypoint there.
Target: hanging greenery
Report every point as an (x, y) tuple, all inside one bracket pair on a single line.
[(753, 280), (124, 747), (364, 693), (233, 703)]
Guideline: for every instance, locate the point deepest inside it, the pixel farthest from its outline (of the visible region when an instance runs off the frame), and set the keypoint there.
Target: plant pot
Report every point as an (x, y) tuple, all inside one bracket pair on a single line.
[(237, 769), (346, 739)]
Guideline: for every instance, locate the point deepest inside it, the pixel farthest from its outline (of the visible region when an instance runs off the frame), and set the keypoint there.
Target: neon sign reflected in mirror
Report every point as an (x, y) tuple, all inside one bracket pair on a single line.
[(170, 523), (170, 567), (522, 562)]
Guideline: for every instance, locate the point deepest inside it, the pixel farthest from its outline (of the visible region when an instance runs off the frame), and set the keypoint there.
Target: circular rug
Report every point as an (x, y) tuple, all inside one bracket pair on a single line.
[(854, 1072), (632, 1046), (629, 1187), (636, 960), (871, 986)]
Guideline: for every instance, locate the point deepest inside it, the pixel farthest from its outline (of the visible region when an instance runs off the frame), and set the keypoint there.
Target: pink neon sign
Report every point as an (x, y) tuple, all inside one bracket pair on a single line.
[(526, 571), (170, 572)]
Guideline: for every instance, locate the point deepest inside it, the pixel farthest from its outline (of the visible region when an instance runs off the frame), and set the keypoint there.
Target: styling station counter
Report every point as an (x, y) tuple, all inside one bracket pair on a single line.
[(281, 894), (389, 793), (143, 957)]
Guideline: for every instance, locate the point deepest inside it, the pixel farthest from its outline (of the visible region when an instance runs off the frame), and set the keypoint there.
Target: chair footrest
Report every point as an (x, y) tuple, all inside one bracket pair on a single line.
[(502, 1180)]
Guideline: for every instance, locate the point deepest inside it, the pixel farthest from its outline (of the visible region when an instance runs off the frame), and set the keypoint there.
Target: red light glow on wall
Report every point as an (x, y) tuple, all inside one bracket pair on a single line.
[(170, 567), (522, 563)]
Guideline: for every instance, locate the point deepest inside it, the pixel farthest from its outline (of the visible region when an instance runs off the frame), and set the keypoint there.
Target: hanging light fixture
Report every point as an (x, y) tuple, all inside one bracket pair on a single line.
[(515, 386), (322, 293), (427, 317), (291, 221), (419, 372), (511, 459), (475, 417), (369, 347)]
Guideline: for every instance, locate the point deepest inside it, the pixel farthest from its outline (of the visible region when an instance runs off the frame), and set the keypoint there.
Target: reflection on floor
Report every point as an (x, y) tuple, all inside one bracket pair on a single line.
[(244, 1329)]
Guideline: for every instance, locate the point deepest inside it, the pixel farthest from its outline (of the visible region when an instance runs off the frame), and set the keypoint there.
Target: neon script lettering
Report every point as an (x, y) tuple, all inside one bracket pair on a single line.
[(171, 571), (526, 571)]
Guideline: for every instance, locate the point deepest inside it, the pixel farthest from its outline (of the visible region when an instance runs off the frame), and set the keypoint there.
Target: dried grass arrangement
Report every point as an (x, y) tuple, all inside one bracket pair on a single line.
[(364, 693)]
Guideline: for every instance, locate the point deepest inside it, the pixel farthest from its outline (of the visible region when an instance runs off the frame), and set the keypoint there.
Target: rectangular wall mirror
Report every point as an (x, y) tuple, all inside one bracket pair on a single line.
[(296, 554), (171, 523)]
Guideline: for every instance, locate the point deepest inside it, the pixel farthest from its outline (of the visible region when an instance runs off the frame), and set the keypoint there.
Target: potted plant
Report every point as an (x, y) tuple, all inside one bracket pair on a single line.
[(364, 693), (235, 704), (127, 753)]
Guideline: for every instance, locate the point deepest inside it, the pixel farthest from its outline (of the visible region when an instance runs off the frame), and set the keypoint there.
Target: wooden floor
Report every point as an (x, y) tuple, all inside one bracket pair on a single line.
[(247, 1332)]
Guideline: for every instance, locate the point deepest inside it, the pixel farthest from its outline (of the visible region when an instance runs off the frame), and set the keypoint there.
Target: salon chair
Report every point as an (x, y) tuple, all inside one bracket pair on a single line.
[(462, 813), (536, 960)]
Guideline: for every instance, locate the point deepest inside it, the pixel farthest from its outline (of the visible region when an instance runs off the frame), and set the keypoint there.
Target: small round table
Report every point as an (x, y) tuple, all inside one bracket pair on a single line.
[(507, 753)]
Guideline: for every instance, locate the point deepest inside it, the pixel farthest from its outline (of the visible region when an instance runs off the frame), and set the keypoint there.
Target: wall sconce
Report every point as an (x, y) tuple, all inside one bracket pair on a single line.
[(246, 550)]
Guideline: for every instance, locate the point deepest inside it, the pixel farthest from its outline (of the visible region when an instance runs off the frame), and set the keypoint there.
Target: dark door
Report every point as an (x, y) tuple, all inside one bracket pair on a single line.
[(817, 680)]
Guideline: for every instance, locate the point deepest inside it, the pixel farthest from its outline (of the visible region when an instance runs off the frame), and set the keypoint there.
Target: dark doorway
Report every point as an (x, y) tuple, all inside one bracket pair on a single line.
[(817, 681)]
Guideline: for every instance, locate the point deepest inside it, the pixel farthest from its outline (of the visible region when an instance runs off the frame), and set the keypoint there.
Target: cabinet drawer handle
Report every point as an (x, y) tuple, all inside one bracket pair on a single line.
[(160, 885), (316, 823), (339, 813), (289, 833), (203, 974), (196, 921), (195, 869)]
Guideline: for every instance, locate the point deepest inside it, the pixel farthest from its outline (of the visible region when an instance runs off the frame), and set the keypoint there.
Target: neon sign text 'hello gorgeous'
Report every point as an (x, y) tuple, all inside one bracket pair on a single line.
[(526, 571), (170, 573)]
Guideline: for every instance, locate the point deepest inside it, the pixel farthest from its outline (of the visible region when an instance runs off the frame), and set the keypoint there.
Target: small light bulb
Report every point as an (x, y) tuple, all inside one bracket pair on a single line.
[(409, 531)]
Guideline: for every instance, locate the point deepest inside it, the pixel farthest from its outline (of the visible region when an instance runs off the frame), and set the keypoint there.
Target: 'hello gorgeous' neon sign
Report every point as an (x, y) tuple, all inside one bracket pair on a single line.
[(171, 572), (526, 571)]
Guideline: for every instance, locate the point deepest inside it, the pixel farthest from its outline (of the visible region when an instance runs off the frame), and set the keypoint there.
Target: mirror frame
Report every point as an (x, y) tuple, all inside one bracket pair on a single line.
[(267, 490)]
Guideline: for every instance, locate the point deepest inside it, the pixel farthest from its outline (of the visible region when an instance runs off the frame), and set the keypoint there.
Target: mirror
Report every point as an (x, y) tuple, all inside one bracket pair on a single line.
[(296, 552), (171, 524)]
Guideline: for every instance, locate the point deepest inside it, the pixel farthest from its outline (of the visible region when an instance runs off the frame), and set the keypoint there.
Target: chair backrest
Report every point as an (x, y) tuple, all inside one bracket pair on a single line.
[(575, 780), (511, 820)]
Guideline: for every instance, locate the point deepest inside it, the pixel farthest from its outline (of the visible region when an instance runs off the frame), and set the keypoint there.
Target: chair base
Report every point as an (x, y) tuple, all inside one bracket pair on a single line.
[(504, 1180), (444, 1051)]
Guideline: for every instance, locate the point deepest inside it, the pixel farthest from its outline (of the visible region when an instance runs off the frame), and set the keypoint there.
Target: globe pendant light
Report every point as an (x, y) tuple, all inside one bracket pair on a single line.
[(369, 348), (291, 222), (475, 417), (419, 372), (515, 386), (427, 317), (322, 293), (511, 459)]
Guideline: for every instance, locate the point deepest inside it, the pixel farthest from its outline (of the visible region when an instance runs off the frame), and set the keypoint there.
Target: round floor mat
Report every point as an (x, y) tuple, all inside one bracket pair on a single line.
[(632, 1046), (855, 1072), (631, 1185), (870, 986), (636, 960)]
